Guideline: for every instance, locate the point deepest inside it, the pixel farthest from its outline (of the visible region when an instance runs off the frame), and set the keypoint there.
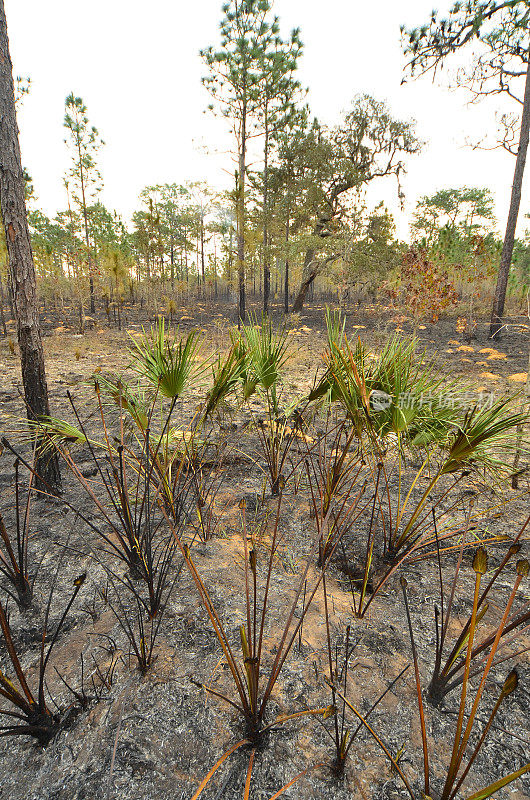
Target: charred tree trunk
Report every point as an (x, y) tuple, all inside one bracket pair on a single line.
[(21, 266), (172, 264), (515, 202)]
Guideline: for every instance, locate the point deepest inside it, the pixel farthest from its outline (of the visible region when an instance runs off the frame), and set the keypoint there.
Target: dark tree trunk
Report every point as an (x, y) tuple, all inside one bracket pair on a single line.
[(515, 202), (203, 272), (230, 256), (266, 265), (241, 220), (312, 266), (87, 237), (21, 266), (286, 273), (286, 287), (172, 263), (92, 300), (308, 276)]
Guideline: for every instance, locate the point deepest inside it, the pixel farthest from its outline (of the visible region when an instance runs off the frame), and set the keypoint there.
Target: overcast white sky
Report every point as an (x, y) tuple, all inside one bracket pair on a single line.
[(137, 66)]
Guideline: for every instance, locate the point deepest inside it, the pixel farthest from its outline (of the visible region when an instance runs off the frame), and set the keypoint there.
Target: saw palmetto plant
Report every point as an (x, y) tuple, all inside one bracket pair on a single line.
[(130, 485), (394, 393), (227, 374), (407, 492), (483, 441), (170, 366), (337, 485), (264, 352), (470, 731)]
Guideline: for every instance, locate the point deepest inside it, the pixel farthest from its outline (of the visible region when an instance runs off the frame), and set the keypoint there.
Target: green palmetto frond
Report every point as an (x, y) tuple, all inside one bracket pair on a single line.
[(348, 380), (226, 374), (175, 443), (55, 433), (335, 327), (130, 400), (395, 393), (337, 346), (170, 367), (266, 353), (486, 437), (418, 406)]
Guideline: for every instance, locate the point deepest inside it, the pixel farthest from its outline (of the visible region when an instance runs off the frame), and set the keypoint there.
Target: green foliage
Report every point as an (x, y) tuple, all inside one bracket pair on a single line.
[(169, 367), (501, 27), (236, 69), (227, 374), (486, 438), (84, 143), (266, 355), (463, 212), (396, 392)]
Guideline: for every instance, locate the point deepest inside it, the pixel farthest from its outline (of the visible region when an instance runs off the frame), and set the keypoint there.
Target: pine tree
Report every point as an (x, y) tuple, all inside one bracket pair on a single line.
[(84, 177), (277, 110), (21, 266), (234, 83)]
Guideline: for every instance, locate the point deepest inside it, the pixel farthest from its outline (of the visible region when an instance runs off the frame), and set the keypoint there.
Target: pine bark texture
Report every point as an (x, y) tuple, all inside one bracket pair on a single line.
[(21, 266)]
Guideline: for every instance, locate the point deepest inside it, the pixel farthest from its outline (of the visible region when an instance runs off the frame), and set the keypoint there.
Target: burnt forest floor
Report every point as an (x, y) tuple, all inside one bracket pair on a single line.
[(157, 736)]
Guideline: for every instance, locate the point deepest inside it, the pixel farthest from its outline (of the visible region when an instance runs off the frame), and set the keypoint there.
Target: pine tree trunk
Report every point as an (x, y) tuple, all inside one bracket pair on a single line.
[(241, 220), (525, 406), (21, 266), (266, 265), (203, 273), (515, 202), (286, 274), (87, 236)]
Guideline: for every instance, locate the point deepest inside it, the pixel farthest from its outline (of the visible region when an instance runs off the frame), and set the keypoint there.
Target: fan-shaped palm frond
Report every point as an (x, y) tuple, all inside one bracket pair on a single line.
[(169, 366)]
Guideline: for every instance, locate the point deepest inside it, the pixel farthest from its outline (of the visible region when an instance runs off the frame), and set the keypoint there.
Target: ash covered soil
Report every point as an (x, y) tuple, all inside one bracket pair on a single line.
[(158, 735)]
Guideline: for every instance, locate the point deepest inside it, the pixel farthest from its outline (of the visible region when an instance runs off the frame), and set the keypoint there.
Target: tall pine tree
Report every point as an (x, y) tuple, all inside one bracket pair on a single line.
[(84, 177), (21, 266), (235, 72)]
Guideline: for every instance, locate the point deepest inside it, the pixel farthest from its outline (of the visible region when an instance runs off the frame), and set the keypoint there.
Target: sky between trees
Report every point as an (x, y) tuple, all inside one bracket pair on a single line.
[(138, 68)]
